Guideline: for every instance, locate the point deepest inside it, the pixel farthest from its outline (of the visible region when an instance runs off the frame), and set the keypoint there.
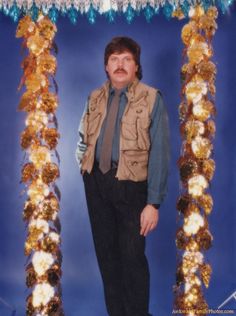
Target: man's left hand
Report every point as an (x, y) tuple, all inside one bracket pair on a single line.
[(148, 219)]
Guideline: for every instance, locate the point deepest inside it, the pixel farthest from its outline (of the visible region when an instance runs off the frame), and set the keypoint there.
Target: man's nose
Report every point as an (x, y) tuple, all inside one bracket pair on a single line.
[(120, 62)]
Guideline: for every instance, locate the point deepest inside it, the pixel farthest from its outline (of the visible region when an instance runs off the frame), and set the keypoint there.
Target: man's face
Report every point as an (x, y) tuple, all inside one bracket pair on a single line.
[(121, 68)]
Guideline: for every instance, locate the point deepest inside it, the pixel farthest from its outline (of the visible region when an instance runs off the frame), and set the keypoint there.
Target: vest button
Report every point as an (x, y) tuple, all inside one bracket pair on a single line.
[(139, 111), (134, 163), (92, 108)]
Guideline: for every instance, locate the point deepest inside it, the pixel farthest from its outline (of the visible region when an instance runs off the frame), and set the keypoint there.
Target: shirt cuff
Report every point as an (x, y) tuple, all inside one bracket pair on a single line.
[(157, 206)]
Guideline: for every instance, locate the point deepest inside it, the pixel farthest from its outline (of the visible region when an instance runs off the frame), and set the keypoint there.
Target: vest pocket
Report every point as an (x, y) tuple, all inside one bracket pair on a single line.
[(129, 128), (93, 122), (136, 161), (143, 133)]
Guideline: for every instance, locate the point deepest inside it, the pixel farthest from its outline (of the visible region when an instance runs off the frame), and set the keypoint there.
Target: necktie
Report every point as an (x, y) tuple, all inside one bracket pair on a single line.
[(106, 148)]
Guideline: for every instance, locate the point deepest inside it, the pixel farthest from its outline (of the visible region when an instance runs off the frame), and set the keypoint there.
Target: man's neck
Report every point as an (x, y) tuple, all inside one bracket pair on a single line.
[(121, 86)]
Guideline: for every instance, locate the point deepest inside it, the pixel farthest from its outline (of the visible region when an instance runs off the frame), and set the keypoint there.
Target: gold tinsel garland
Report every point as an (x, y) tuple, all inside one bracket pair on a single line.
[(39, 173), (196, 165)]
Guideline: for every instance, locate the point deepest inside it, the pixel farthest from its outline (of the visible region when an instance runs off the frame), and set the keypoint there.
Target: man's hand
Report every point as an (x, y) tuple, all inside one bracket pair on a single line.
[(148, 219)]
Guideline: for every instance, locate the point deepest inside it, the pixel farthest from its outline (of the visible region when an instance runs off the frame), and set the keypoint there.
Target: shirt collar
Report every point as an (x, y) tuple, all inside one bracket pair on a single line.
[(112, 90)]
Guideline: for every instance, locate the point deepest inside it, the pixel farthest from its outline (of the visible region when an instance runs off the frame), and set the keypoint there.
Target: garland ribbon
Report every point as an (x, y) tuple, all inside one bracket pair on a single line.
[(196, 164), (39, 173)]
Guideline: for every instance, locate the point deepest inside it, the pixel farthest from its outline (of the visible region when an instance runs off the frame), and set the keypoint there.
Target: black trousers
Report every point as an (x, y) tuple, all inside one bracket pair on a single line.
[(114, 210)]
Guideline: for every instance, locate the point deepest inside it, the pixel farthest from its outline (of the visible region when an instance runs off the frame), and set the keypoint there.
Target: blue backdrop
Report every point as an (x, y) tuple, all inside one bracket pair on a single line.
[(80, 69)]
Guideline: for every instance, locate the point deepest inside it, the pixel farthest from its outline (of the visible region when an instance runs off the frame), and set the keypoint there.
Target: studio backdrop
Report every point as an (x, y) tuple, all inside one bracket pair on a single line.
[(202, 171)]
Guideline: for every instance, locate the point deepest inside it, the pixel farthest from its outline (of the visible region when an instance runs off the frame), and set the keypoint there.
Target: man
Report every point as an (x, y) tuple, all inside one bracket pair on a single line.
[(123, 155)]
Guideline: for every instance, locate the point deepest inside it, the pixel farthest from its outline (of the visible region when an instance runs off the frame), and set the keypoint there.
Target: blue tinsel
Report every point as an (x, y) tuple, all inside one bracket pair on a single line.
[(91, 15), (156, 10), (148, 12), (185, 8), (14, 12), (34, 12), (110, 15), (53, 14), (206, 4), (6, 10), (168, 10), (129, 14), (73, 15)]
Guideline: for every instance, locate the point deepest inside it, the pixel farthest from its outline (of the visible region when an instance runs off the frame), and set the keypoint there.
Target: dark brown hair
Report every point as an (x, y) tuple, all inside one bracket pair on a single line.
[(121, 44)]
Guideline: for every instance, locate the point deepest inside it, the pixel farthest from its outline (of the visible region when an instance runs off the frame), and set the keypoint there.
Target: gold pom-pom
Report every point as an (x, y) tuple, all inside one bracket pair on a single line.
[(210, 128), (208, 168), (205, 201), (32, 241), (178, 13), (191, 129), (35, 81), (28, 172), (50, 135), (208, 24), (188, 168), (183, 203), (205, 272), (196, 185), (37, 119), (188, 31), (29, 65), (28, 102), (192, 245), (51, 204), (204, 239), (212, 88), (50, 172), (47, 29), (30, 311), (31, 276), (38, 191), (54, 305), (25, 27), (198, 51), (212, 12), (179, 276), (48, 245), (196, 12), (49, 208), (203, 109), (183, 110), (207, 70), (48, 102), (181, 239), (29, 209), (39, 155), (46, 63), (195, 90), (201, 147), (37, 44), (28, 137)]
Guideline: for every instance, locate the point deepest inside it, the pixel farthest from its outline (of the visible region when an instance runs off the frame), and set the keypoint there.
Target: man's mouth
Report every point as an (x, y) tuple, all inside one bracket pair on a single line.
[(120, 71)]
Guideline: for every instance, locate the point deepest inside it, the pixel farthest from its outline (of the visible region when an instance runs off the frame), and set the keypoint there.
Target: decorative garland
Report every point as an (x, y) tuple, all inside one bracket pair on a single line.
[(39, 139), (110, 8), (196, 165)]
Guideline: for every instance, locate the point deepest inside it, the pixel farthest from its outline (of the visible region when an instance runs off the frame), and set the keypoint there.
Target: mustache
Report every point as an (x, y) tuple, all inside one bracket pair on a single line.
[(120, 70)]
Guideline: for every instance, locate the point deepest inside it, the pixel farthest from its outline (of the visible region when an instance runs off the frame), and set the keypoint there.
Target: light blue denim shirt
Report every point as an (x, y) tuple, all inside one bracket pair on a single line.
[(158, 163)]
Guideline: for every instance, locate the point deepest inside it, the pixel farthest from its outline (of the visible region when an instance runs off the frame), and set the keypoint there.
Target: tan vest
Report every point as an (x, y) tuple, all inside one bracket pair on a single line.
[(134, 132)]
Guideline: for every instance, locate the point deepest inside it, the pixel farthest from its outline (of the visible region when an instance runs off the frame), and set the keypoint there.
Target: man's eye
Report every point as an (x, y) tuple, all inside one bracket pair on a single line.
[(113, 59), (128, 59)]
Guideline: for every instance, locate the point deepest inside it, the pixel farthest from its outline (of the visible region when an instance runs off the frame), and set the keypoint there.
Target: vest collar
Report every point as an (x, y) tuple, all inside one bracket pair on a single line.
[(128, 90)]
